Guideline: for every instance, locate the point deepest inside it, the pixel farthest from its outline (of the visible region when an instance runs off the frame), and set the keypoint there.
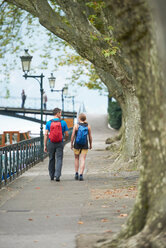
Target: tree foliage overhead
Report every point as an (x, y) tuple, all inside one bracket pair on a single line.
[(18, 26), (92, 13)]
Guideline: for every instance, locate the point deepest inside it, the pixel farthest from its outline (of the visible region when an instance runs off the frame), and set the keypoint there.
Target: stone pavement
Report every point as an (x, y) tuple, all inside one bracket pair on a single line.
[(37, 212)]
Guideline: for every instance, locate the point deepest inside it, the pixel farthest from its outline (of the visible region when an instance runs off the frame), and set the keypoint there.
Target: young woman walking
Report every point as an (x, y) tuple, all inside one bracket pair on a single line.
[(81, 134)]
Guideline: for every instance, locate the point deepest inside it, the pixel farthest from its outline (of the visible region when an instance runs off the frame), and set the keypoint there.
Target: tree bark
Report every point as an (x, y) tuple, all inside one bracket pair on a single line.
[(146, 225), (130, 151)]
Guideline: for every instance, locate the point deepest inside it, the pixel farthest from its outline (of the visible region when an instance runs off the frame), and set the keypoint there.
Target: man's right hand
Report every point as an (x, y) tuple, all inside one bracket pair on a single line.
[(45, 148)]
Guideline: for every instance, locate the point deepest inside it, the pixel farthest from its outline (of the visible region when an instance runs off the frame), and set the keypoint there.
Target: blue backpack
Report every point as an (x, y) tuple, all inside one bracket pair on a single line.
[(82, 133)]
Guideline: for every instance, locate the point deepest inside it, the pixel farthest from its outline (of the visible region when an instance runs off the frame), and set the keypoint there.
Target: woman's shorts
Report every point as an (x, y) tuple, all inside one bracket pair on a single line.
[(80, 151)]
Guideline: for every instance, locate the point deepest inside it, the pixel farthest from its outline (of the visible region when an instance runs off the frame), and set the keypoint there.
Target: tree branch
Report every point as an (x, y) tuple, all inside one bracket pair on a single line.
[(2, 3), (79, 33), (47, 16), (112, 84)]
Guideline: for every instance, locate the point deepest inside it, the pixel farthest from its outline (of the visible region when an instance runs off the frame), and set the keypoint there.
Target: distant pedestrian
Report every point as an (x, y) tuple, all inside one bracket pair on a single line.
[(44, 100), (80, 135), (56, 129), (23, 97)]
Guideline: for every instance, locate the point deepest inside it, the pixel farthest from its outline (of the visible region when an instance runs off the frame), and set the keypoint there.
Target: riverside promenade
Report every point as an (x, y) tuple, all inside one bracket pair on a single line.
[(38, 213)]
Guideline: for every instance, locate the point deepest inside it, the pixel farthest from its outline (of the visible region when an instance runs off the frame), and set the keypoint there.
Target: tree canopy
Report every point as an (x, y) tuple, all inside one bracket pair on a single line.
[(18, 26)]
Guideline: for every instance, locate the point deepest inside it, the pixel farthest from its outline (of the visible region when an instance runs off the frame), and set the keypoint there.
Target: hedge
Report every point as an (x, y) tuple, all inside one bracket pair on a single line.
[(114, 114)]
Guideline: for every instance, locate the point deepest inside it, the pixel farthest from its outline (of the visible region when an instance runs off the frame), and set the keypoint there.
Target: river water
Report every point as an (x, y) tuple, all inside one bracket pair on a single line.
[(14, 124)]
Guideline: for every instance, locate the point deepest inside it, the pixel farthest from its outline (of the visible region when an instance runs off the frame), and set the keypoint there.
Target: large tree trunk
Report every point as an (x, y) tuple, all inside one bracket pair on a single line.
[(146, 226), (129, 150), (129, 153), (131, 129)]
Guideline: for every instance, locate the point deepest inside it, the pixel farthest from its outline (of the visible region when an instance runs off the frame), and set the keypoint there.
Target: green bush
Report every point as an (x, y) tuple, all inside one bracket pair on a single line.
[(115, 114)]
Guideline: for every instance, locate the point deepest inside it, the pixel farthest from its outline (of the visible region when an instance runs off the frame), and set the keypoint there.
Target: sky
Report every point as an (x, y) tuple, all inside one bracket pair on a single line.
[(93, 101)]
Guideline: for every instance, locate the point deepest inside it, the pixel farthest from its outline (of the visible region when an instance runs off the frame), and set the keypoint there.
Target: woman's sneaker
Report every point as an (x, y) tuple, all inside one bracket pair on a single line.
[(76, 176), (81, 177)]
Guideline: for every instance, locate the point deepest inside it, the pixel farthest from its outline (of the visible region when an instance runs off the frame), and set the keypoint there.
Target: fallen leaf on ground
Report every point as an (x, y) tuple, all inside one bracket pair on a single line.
[(30, 219), (114, 193), (104, 220), (37, 188), (80, 222), (108, 231), (123, 215)]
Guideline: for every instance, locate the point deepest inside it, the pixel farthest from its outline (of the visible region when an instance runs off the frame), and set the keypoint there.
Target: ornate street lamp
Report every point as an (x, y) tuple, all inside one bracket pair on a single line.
[(64, 90), (52, 81), (26, 62)]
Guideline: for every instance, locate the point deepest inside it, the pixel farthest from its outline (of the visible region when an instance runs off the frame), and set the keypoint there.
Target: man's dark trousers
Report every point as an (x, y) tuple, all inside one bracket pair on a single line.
[(55, 154)]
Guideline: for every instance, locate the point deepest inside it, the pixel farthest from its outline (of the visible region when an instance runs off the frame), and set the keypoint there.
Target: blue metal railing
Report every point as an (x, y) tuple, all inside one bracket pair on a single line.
[(17, 158)]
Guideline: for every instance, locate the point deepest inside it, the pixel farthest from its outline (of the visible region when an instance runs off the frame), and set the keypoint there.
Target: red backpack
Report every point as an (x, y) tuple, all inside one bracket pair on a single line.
[(55, 135)]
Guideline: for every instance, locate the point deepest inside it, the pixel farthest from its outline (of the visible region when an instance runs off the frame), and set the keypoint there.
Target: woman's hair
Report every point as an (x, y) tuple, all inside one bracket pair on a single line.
[(82, 117)]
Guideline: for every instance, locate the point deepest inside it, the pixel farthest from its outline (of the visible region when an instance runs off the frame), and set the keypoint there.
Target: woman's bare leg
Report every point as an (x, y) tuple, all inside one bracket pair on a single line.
[(82, 163), (76, 163)]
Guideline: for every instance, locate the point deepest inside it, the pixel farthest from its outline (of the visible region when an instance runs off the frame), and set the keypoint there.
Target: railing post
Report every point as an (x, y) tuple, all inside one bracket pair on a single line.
[(10, 164), (1, 167), (6, 163), (17, 165), (14, 163), (34, 152), (26, 160)]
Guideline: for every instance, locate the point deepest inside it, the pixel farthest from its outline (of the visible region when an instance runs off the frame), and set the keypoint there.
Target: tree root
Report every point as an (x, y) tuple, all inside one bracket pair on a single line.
[(144, 239), (140, 231), (113, 139), (120, 162), (113, 147)]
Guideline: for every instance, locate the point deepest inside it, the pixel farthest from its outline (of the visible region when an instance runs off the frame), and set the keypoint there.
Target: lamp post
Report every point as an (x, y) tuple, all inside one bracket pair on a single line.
[(26, 62), (64, 90)]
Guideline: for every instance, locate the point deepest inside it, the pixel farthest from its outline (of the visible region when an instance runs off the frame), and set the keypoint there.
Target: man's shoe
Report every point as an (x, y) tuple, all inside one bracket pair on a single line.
[(57, 179), (52, 179), (76, 176), (81, 178)]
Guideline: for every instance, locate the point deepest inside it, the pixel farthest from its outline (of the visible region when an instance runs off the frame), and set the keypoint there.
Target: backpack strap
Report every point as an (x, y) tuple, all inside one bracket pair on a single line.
[(77, 126), (55, 120)]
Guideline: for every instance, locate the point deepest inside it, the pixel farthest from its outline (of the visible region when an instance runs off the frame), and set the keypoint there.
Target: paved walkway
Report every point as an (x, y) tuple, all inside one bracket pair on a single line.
[(37, 212)]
